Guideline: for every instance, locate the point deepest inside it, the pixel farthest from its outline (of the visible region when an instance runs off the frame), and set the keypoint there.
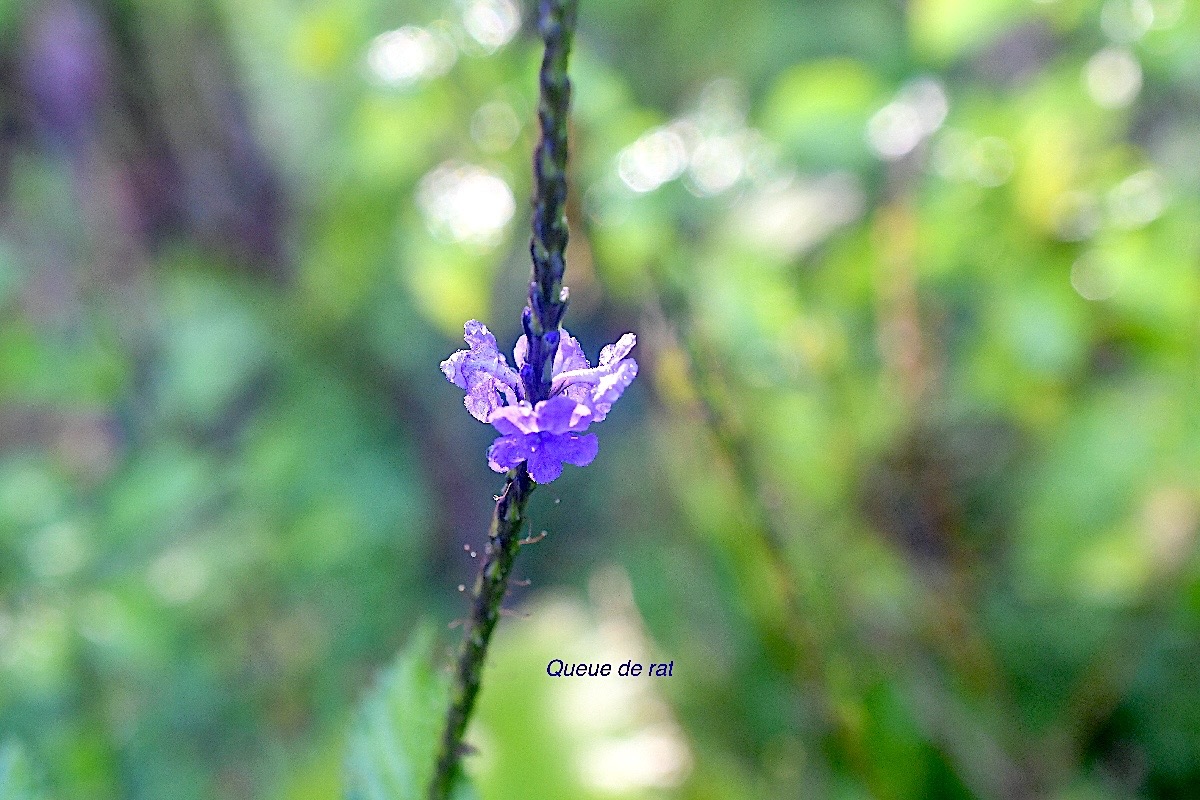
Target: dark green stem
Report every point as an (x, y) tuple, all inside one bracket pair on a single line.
[(541, 320), (491, 585)]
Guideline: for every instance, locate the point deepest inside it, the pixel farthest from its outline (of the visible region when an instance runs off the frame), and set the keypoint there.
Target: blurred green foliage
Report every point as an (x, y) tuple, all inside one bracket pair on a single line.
[(16, 781), (908, 489)]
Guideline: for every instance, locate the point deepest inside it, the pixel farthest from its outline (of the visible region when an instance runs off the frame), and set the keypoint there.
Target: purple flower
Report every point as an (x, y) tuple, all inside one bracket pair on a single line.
[(551, 433), (543, 436), (483, 372)]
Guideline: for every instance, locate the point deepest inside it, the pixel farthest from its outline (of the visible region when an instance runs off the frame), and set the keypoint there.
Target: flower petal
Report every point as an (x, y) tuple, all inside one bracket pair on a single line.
[(599, 387), (483, 372), (570, 355), (482, 398), (611, 358), (515, 420), (577, 449), (612, 353), (507, 452), (551, 451), (484, 358), (452, 368), (611, 387), (477, 335), (544, 463), (521, 351), (560, 414)]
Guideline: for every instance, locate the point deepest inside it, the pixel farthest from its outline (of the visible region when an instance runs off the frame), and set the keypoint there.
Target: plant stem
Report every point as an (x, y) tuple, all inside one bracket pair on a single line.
[(541, 320), (548, 245), (491, 585)]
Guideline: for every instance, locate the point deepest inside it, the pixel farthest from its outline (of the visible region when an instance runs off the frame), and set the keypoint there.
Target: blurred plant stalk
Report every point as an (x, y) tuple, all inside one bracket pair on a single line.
[(795, 630)]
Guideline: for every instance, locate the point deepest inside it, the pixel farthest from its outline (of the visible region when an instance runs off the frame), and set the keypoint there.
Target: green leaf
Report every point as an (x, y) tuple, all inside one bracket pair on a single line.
[(395, 735), (16, 774)]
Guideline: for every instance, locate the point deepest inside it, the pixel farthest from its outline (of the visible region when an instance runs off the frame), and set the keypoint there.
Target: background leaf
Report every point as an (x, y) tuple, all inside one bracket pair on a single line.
[(395, 735)]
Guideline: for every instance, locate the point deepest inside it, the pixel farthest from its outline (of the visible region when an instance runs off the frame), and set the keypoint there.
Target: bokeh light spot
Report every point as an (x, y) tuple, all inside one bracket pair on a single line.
[(1093, 278), (919, 110), (495, 127), (1126, 21), (716, 165), (1138, 200), (410, 54), (465, 203), (655, 158), (492, 23), (1113, 77)]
